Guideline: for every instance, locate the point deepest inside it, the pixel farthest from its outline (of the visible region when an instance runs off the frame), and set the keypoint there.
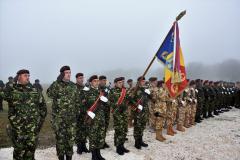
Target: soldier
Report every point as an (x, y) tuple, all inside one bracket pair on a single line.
[(158, 107), (207, 98), (105, 89), (2, 86), (96, 102), (118, 99), (200, 100), (81, 130), (139, 99), (10, 81), (130, 116), (27, 111), (38, 85), (193, 102), (188, 107), (64, 111)]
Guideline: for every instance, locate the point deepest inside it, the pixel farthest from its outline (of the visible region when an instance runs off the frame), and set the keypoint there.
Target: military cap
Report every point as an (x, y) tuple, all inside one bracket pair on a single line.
[(10, 78), (192, 82), (93, 77), (36, 80), (129, 80), (64, 68), (22, 71), (102, 77), (151, 79), (118, 79), (141, 78), (78, 75)]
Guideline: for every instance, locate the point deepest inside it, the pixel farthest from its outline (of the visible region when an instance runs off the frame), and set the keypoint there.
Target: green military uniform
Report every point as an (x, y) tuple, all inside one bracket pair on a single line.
[(82, 128), (200, 100), (64, 111), (140, 116), (2, 85), (26, 115)]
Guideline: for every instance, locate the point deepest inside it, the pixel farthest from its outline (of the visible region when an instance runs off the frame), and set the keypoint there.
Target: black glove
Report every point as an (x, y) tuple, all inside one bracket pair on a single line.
[(157, 114)]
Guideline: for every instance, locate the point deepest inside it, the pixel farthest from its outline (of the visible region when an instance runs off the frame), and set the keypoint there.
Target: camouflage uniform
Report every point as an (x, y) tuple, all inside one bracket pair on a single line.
[(130, 114), (27, 111), (171, 111), (1, 98), (82, 128), (119, 116), (96, 133), (193, 104), (64, 111), (140, 117), (182, 100)]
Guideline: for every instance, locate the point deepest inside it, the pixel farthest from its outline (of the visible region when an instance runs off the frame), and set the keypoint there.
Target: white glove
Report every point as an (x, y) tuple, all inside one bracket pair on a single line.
[(91, 114), (196, 90), (147, 91), (140, 107), (183, 103), (106, 90), (86, 88), (103, 99)]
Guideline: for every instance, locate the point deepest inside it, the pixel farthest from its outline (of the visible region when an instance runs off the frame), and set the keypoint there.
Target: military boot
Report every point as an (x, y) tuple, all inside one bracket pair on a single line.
[(119, 150), (68, 157), (94, 155), (124, 149), (99, 155), (180, 128), (170, 131), (61, 157), (138, 143), (159, 135), (142, 143)]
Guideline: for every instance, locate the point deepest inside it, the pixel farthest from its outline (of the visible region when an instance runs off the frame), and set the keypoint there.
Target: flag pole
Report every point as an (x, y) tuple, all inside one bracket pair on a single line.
[(183, 13)]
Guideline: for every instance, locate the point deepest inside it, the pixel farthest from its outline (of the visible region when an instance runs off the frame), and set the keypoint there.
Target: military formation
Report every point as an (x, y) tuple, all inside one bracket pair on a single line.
[(81, 111)]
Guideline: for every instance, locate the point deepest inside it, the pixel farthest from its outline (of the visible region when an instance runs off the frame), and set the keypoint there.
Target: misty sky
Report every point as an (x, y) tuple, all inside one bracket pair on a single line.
[(94, 36)]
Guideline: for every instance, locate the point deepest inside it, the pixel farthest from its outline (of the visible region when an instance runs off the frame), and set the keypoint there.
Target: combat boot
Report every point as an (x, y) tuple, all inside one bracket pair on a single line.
[(124, 149), (159, 135), (61, 157), (94, 155), (180, 128), (99, 155), (169, 131), (142, 143), (79, 149), (119, 150), (105, 145), (84, 148), (174, 132), (68, 157), (138, 143)]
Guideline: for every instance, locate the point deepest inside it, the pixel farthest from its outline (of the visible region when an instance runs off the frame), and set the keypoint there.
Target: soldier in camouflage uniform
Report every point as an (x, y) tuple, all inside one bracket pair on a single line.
[(193, 102), (95, 118), (207, 98), (130, 115), (119, 103), (27, 111), (81, 130), (38, 85), (105, 89), (2, 86), (200, 100), (139, 99), (65, 108), (188, 107), (158, 106)]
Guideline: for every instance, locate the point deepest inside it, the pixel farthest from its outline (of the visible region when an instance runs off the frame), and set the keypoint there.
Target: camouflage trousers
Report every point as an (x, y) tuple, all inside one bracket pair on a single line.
[(107, 118), (24, 139), (159, 121), (120, 125), (130, 115), (171, 113), (182, 111), (140, 121), (81, 129), (152, 118), (64, 129), (97, 131), (193, 110)]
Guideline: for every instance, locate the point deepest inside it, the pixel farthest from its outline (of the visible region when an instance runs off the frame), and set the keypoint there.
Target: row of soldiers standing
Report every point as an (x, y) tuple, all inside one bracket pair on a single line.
[(81, 112)]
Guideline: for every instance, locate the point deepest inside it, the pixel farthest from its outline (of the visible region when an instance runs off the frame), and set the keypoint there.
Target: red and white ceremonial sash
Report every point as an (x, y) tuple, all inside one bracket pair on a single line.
[(94, 106), (121, 98)]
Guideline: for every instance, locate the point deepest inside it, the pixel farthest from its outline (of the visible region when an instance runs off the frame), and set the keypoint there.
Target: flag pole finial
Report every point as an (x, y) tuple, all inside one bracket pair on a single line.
[(181, 15)]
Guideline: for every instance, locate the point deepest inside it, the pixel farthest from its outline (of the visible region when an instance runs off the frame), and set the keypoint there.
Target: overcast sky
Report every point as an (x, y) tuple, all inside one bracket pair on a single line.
[(94, 36)]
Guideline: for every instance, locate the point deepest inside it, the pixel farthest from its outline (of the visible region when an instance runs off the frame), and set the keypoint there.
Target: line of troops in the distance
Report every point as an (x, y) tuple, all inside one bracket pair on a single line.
[(201, 99)]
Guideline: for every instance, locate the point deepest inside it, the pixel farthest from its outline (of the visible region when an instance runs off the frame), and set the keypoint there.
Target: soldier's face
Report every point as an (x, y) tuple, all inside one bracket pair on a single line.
[(95, 83), (67, 75), (130, 83), (154, 83), (23, 78), (103, 82), (142, 82), (80, 80), (119, 84)]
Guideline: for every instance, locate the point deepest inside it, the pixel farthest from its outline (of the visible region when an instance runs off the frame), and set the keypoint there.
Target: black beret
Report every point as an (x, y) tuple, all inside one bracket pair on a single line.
[(93, 77), (205, 82), (102, 77), (151, 79), (119, 79), (10, 78), (197, 80), (64, 68), (22, 71), (36, 80), (129, 80), (140, 78), (79, 74), (192, 82)]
